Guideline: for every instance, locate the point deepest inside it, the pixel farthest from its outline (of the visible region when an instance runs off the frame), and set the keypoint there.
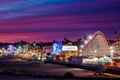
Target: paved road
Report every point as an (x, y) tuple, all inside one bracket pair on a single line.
[(44, 69), (31, 78), (7, 77), (58, 70), (47, 69)]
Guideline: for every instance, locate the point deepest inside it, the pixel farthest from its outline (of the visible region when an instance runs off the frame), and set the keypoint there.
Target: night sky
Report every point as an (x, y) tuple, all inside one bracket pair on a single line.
[(46, 20)]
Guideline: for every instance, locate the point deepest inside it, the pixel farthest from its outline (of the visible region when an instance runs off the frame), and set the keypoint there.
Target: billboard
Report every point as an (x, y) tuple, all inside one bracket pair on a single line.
[(69, 48)]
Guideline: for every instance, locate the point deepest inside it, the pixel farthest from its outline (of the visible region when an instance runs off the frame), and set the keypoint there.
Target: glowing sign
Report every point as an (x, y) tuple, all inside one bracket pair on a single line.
[(57, 47), (69, 48), (11, 49)]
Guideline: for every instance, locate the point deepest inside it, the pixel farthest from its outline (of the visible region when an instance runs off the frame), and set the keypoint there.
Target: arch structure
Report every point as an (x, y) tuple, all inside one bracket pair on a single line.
[(97, 46)]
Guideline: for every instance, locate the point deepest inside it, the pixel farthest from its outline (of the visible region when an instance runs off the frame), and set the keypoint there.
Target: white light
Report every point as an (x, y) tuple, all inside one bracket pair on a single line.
[(90, 37), (80, 50), (39, 58), (112, 51), (95, 51), (86, 41), (111, 47), (81, 46), (69, 48)]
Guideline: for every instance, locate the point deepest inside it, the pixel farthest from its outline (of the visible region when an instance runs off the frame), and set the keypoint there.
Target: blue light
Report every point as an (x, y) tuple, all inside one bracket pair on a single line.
[(57, 48), (11, 50)]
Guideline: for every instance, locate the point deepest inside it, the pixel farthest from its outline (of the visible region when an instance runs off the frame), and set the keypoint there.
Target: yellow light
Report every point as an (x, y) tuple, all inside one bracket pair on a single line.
[(95, 51), (38, 58), (112, 51)]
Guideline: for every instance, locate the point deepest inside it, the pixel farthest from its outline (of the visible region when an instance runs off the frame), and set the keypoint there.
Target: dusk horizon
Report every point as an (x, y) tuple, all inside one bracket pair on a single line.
[(64, 39), (37, 20), (42, 37)]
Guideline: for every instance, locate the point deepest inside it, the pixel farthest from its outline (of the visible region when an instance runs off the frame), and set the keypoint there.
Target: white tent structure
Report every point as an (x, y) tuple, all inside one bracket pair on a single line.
[(96, 46)]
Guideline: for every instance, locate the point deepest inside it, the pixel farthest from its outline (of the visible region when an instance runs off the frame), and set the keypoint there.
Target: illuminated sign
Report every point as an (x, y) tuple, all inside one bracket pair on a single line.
[(57, 48), (69, 48)]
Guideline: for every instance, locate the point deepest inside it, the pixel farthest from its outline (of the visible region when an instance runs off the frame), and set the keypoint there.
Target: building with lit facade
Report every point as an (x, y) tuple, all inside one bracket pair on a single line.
[(69, 50), (64, 51), (29, 52), (115, 45)]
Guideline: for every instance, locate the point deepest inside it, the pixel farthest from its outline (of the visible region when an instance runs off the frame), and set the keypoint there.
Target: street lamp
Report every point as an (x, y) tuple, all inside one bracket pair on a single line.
[(90, 37)]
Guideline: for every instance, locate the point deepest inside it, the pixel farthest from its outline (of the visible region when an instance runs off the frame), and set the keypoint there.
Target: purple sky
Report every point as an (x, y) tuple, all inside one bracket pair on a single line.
[(45, 20)]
